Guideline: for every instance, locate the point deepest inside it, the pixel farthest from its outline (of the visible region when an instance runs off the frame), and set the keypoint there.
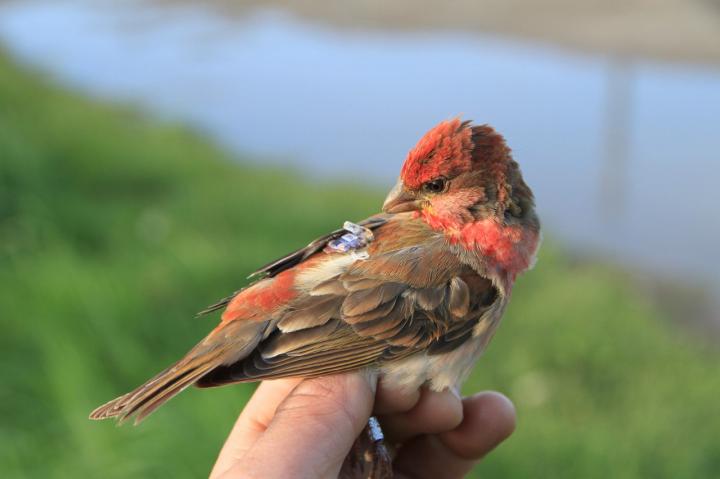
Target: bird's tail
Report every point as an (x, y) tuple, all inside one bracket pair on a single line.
[(223, 346)]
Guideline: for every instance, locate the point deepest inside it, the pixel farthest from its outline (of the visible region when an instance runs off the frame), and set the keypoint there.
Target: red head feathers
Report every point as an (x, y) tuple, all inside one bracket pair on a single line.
[(454, 147), (444, 151)]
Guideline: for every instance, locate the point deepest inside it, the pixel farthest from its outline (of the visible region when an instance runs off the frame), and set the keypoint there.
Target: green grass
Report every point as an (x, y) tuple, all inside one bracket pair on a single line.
[(114, 230)]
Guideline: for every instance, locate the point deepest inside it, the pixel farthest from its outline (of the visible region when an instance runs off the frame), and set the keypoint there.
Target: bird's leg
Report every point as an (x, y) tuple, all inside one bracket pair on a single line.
[(368, 458)]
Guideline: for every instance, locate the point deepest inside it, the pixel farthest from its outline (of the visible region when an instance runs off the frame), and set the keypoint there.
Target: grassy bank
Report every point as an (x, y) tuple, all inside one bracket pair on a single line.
[(115, 230)]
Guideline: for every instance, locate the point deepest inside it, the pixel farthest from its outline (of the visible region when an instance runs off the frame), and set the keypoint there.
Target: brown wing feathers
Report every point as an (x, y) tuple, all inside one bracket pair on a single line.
[(371, 322)]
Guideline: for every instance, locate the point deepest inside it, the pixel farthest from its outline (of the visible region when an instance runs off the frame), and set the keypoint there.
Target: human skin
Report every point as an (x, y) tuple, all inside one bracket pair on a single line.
[(305, 428)]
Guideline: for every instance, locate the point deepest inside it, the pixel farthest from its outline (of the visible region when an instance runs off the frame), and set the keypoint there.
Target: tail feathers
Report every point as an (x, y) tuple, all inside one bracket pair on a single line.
[(223, 346), (155, 392)]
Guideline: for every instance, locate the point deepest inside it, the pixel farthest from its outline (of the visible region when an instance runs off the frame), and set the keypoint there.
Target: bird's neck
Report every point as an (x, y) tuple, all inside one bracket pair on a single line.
[(510, 248)]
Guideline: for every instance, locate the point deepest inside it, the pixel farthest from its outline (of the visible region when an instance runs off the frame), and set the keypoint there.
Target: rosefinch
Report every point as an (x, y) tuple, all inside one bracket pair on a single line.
[(415, 293)]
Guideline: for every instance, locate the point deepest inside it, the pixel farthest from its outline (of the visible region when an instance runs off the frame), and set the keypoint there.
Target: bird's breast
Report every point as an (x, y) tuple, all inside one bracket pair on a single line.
[(439, 371)]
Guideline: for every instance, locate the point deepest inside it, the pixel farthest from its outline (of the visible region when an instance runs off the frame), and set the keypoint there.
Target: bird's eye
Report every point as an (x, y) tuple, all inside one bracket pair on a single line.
[(434, 186)]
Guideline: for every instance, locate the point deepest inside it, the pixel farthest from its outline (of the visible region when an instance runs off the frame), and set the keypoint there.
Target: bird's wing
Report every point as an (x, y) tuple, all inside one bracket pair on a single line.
[(410, 294), (317, 312), (296, 257)]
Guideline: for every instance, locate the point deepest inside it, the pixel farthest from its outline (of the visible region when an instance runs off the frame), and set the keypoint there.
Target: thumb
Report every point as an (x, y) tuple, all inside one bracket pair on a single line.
[(312, 430)]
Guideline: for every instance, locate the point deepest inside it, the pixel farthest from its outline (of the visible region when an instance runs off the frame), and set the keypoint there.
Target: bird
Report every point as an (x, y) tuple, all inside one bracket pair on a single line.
[(413, 293)]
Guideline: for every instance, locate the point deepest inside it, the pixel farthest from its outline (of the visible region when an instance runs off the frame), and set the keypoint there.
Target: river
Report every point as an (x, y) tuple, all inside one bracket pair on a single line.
[(348, 104)]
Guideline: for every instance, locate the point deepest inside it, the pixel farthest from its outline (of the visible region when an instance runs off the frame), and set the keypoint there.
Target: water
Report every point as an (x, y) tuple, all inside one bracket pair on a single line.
[(334, 103)]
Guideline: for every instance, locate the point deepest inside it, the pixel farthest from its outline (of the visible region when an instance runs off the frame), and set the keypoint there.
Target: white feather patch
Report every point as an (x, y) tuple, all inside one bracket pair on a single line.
[(441, 371), (333, 266)]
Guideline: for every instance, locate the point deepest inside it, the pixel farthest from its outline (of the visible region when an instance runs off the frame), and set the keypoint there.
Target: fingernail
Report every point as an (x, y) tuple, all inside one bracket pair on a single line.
[(455, 392)]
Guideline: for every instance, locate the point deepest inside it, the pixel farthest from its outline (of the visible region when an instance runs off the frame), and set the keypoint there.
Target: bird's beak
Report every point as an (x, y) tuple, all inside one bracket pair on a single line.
[(400, 199)]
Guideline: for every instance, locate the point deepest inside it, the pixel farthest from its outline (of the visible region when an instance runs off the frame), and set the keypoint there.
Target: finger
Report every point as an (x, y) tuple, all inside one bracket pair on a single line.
[(312, 430), (394, 400), (434, 412), (252, 422), (488, 419)]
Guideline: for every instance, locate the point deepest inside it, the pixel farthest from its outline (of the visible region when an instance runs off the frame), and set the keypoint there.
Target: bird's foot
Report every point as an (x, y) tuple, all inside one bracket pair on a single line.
[(369, 457)]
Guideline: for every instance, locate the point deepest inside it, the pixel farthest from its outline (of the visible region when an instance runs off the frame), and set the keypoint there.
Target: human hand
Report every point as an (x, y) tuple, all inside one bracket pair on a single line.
[(305, 428)]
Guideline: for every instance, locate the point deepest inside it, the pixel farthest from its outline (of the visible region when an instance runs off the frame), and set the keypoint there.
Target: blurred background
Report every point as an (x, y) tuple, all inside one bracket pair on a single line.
[(153, 153)]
